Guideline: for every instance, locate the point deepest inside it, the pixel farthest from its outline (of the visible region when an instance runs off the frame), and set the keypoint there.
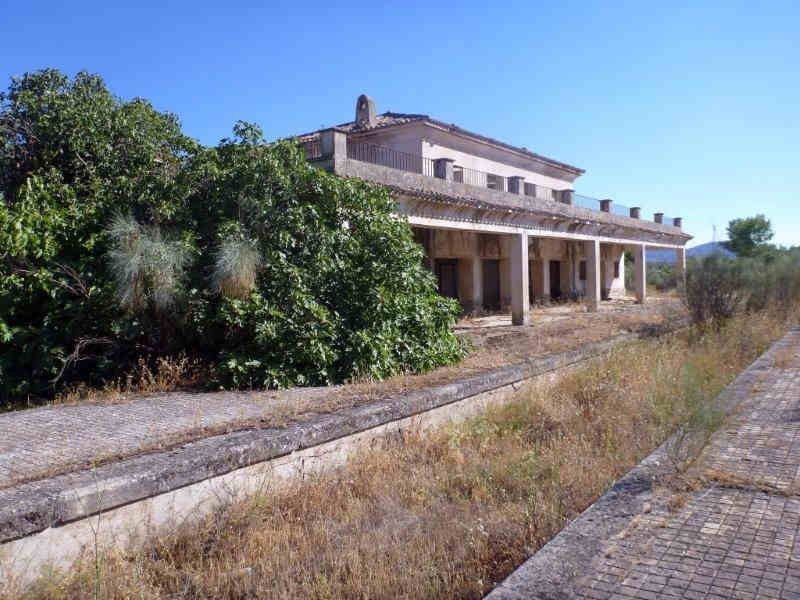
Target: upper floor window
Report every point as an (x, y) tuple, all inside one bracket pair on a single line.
[(458, 174), (495, 182), (530, 189)]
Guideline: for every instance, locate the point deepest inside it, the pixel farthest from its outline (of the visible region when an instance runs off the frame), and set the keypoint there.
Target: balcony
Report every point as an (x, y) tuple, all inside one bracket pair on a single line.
[(526, 194)]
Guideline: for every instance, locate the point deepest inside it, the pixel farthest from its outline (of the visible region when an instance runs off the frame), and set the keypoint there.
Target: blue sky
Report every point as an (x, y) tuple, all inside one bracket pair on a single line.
[(689, 109)]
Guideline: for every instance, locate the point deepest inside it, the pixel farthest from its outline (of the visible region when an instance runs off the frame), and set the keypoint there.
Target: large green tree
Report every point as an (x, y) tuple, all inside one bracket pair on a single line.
[(338, 289), (121, 239), (747, 237), (71, 156)]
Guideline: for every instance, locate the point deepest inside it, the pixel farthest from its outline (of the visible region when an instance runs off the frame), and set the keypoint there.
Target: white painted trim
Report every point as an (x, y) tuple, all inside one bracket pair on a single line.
[(430, 222)]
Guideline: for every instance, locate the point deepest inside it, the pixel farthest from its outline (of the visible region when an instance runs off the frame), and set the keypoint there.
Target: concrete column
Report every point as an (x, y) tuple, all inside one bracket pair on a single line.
[(516, 185), (680, 266), (520, 299), (545, 278), (432, 251), (477, 274), (443, 168), (333, 144), (640, 272), (592, 252)]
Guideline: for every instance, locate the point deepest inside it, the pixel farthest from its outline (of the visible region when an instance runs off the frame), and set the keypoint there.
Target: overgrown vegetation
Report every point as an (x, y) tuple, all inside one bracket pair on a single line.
[(122, 240), (447, 514), (717, 287), (661, 276)]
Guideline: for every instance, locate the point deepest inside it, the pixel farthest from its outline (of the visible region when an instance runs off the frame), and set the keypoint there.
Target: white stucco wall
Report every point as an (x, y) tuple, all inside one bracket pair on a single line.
[(433, 143), (403, 139)]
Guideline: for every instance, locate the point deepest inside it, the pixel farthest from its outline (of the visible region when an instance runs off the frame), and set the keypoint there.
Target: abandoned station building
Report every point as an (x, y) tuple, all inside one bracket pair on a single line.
[(500, 225)]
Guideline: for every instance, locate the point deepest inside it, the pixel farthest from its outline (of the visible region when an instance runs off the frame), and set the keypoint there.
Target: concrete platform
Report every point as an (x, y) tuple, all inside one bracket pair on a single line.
[(133, 469), (728, 528)]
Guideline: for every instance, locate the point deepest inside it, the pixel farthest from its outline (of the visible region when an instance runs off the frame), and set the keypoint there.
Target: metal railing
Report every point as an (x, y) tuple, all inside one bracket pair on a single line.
[(586, 202), (667, 220), (414, 163), (620, 209), (387, 157), (541, 192)]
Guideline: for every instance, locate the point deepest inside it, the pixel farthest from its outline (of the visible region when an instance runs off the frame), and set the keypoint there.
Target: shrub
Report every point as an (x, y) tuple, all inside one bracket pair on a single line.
[(715, 287), (773, 281), (123, 240), (662, 276)]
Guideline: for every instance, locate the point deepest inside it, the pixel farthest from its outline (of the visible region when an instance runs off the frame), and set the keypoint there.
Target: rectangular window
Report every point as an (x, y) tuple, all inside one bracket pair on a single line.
[(458, 174), (530, 189), (616, 269), (495, 182), (583, 270)]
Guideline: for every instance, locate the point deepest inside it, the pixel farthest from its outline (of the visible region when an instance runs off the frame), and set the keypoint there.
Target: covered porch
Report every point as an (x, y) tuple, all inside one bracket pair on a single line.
[(492, 271)]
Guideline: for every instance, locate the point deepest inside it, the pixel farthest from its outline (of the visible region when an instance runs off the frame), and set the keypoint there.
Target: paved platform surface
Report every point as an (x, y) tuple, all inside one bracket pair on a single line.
[(733, 533), (41, 442)]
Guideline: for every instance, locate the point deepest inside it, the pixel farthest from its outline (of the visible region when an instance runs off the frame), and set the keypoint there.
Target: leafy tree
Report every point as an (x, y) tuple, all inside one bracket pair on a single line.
[(747, 237), (316, 279), (71, 156), (122, 238)]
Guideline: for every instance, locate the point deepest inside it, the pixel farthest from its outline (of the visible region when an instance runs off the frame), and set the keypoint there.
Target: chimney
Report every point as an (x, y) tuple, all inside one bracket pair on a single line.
[(365, 112)]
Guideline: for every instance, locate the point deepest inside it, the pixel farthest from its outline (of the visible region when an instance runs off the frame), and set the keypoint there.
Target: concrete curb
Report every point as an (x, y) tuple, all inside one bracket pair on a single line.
[(551, 573)]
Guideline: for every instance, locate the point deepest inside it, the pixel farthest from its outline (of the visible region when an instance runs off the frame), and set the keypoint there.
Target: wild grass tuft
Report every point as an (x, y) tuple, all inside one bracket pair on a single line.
[(235, 268), (146, 267)]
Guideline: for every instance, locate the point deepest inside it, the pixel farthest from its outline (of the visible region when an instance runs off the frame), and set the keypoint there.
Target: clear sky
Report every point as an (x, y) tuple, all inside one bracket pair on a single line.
[(686, 108)]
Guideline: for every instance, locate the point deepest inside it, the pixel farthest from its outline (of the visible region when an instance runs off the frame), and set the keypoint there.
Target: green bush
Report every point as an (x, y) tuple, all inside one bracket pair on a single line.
[(715, 287), (123, 239), (662, 276), (773, 280)]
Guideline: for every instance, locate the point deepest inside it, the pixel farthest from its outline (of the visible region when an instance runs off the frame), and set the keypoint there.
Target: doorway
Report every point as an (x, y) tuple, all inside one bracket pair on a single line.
[(447, 277), (555, 278), (491, 284)]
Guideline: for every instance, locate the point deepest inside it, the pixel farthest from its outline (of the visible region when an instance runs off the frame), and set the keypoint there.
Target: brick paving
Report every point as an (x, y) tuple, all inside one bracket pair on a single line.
[(734, 534), (737, 537), (724, 543), (39, 441)]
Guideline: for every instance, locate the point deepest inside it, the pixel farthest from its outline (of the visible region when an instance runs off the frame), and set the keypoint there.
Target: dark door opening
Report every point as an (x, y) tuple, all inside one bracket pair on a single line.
[(491, 284), (447, 277), (555, 278)]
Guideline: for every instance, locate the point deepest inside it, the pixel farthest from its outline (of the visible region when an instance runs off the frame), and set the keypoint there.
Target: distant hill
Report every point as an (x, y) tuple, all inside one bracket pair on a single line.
[(664, 255)]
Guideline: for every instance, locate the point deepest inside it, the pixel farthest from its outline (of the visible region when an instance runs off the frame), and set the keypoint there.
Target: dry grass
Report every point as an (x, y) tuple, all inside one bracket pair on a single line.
[(168, 374), (443, 515), (786, 358), (492, 347)]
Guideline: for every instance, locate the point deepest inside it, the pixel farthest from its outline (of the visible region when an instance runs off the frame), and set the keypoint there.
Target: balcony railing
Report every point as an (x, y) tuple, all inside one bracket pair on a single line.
[(586, 202), (387, 157), (414, 163)]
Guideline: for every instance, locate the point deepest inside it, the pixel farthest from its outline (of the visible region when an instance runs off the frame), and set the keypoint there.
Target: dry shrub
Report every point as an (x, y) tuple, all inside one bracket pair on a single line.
[(446, 514), (164, 374)]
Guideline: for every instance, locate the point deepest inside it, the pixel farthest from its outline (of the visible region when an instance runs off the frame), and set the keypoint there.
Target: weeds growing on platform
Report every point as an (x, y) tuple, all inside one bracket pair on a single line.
[(447, 514)]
